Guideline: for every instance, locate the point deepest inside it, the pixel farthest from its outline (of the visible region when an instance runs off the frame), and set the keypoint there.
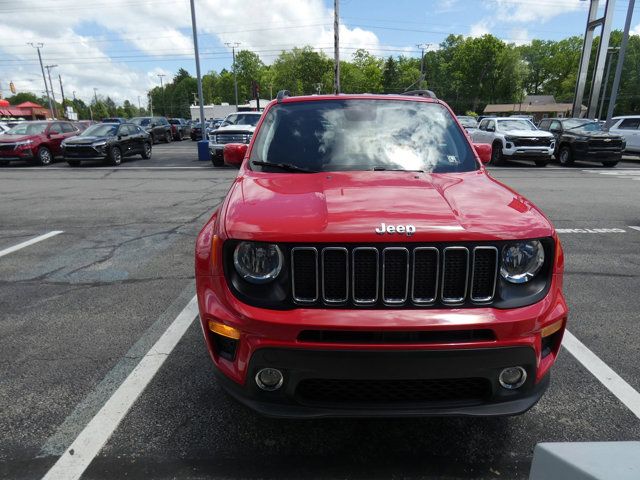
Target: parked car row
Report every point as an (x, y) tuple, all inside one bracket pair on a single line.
[(42, 142), (562, 139)]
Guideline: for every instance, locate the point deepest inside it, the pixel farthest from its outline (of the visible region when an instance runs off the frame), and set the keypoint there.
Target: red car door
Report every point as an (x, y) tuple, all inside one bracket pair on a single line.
[(55, 136)]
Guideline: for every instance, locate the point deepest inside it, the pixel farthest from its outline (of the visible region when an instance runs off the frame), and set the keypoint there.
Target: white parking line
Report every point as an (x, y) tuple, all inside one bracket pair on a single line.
[(605, 375), (20, 246), (591, 230), (75, 460), (634, 227)]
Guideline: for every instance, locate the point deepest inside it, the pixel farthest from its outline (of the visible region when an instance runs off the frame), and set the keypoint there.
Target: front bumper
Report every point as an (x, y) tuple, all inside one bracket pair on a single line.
[(89, 153), (537, 153), (272, 338), (352, 383), (599, 155)]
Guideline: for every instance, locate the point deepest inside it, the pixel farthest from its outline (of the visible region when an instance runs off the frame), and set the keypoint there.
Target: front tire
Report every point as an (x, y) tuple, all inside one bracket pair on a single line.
[(115, 156), (146, 152), (496, 154), (168, 137), (44, 156), (566, 156)]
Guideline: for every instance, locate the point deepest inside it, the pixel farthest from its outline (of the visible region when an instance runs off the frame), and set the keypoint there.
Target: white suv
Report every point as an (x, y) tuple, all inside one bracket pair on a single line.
[(629, 128), (515, 138), (236, 128)]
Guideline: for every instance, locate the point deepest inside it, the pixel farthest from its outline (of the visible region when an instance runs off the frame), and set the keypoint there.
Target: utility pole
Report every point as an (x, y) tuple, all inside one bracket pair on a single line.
[(235, 77), (74, 96), (422, 47), (150, 105), (198, 76), (53, 95), (139, 107), (38, 46), (61, 93), (162, 90), (623, 49), (95, 94), (336, 46)]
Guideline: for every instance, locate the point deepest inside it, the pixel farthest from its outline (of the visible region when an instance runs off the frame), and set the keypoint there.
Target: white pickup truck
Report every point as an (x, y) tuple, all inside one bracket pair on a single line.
[(514, 138)]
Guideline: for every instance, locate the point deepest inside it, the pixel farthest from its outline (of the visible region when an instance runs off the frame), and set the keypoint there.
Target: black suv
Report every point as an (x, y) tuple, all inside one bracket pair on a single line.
[(158, 127), (583, 139), (180, 128), (110, 142)]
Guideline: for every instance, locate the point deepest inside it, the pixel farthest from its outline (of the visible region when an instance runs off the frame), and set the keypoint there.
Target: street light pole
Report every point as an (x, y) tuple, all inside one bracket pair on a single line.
[(38, 46), (422, 47), (199, 77), (336, 46), (95, 94), (161, 75), (53, 95), (235, 77), (623, 49)]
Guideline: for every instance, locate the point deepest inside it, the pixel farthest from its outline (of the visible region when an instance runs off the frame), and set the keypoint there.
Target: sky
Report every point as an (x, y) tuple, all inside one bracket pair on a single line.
[(119, 47)]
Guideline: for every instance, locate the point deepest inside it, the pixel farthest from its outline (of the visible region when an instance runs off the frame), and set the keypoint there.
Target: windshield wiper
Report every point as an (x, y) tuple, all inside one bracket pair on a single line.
[(284, 166), (385, 169)]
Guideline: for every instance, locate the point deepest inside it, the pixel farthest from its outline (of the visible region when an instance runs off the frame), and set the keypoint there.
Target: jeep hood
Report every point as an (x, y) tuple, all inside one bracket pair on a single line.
[(349, 206)]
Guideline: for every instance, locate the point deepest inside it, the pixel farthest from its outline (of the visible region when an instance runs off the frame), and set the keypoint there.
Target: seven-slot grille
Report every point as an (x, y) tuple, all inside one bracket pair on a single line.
[(605, 143), (393, 275)]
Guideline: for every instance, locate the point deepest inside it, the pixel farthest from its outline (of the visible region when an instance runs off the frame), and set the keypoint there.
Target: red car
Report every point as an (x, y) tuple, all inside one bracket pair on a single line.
[(35, 141), (364, 263)]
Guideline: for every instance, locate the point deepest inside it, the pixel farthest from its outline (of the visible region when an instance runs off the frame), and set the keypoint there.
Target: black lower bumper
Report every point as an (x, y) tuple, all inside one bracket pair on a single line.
[(339, 383)]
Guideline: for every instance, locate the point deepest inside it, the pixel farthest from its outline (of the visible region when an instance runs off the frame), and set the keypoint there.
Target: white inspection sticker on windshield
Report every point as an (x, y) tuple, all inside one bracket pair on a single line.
[(453, 159)]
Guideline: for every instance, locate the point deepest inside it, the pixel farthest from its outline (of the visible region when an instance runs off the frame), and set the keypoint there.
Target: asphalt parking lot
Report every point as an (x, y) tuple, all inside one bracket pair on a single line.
[(80, 309)]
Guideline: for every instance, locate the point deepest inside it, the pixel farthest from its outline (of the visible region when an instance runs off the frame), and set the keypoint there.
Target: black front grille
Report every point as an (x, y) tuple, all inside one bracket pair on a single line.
[(396, 337), (532, 142), (7, 147), (455, 274), (381, 276), (605, 144), (392, 392), (335, 274), (483, 283), (80, 150)]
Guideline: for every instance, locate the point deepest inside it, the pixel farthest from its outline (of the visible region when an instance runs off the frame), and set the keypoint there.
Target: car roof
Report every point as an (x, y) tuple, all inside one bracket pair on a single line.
[(621, 117), (357, 96)]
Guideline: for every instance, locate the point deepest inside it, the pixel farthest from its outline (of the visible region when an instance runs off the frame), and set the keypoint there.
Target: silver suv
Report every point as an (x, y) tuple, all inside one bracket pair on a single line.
[(514, 138)]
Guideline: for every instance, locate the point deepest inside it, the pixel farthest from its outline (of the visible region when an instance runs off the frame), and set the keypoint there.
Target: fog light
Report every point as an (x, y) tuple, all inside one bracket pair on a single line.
[(269, 379), (512, 377)]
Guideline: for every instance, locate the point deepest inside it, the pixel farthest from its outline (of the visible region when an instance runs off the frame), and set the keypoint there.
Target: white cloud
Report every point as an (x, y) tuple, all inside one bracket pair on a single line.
[(480, 28), (526, 11), (523, 11), (155, 28)]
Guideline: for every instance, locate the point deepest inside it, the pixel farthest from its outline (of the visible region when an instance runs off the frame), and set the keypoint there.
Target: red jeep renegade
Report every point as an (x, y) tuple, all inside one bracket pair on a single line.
[(364, 263)]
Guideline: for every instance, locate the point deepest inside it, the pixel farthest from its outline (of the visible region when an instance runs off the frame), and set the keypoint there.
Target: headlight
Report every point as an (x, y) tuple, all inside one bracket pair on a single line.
[(510, 139), (521, 261), (25, 142), (257, 262), (99, 144)]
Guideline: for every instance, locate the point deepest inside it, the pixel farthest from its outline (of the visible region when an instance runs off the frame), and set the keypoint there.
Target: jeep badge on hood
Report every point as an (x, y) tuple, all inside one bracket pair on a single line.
[(406, 229)]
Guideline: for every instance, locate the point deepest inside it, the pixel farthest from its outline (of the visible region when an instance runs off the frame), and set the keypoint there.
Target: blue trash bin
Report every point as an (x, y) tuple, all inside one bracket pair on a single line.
[(203, 151)]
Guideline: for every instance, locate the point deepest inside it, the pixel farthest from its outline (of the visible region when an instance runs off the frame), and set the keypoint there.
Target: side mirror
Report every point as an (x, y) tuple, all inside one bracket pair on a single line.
[(123, 134), (234, 153), (555, 130), (491, 129), (484, 151)]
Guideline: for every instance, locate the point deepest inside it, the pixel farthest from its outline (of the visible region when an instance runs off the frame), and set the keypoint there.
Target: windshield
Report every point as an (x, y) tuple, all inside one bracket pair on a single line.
[(513, 124), (582, 124), (28, 129), (339, 135), (174, 122), (141, 121), (104, 130), (242, 119)]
